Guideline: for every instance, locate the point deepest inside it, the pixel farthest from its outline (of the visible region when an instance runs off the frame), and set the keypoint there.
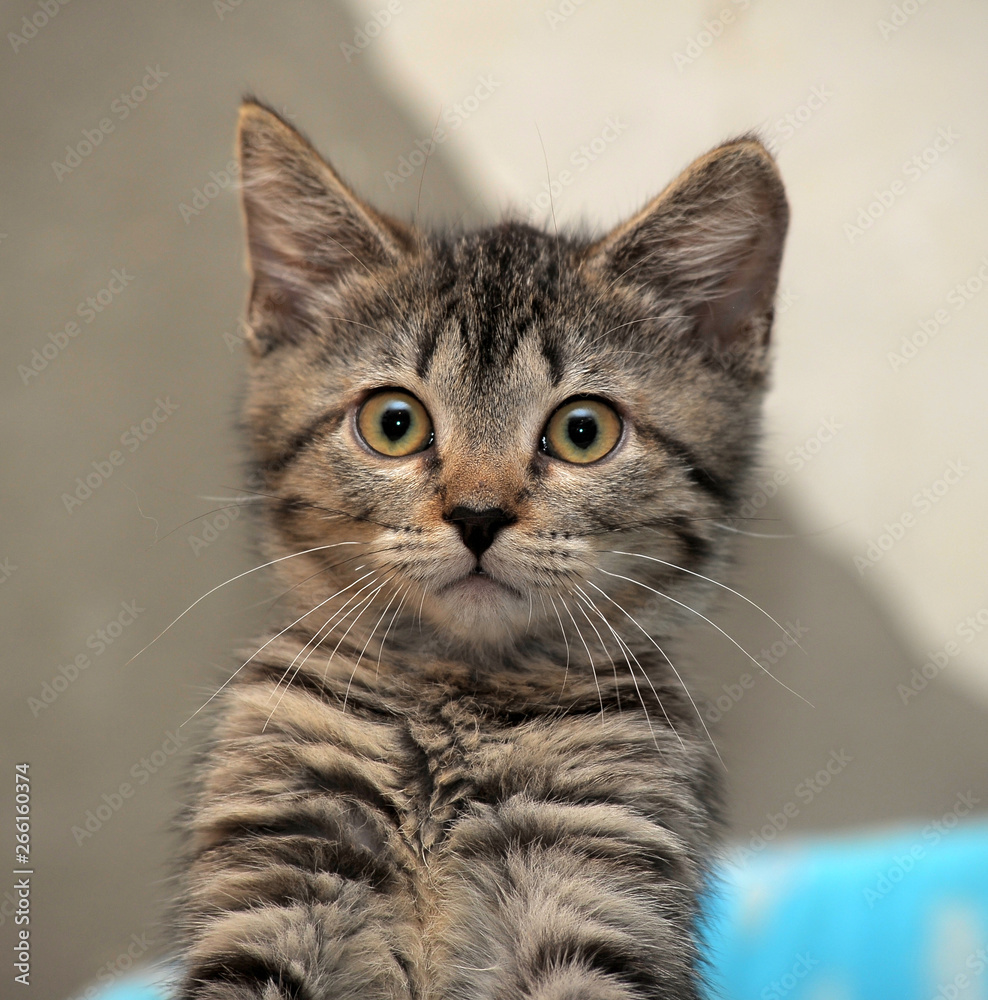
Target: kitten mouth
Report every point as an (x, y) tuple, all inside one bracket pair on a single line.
[(479, 581)]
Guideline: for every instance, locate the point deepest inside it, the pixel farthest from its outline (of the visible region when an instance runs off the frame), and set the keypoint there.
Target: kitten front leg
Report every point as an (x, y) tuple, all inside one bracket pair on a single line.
[(299, 884), (568, 902), (345, 945)]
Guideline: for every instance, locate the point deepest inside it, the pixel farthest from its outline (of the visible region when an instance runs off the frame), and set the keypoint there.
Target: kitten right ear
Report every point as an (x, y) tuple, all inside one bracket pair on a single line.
[(710, 244), (307, 232)]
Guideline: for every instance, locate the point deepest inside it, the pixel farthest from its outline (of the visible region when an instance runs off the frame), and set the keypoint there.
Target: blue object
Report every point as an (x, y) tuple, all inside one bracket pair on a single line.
[(901, 916)]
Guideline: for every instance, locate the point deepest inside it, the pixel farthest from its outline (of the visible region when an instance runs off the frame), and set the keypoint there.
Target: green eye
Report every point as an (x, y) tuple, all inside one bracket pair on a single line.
[(582, 431), (394, 423)]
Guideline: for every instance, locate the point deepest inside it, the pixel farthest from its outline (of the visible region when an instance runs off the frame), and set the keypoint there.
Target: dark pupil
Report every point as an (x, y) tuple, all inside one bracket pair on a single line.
[(395, 421), (582, 429)]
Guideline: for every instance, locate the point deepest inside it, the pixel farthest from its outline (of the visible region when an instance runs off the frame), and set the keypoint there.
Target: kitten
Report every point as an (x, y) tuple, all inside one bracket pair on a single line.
[(493, 466)]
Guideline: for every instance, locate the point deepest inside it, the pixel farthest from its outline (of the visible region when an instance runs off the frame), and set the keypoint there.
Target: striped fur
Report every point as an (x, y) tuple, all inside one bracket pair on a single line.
[(423, 788)]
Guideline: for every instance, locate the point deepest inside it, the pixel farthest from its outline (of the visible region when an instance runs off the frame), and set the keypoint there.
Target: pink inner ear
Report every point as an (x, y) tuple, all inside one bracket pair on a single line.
[(710, 245), (741, 313)]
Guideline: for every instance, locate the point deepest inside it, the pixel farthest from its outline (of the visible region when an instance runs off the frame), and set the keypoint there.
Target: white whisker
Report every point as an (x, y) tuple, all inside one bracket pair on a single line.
[(731, 638), (272, 639), (626, 650), (327, 626), (716, 583), (593, 668), (387, 631), (233, 579), (565, 642), (603, 645), (672, 666)]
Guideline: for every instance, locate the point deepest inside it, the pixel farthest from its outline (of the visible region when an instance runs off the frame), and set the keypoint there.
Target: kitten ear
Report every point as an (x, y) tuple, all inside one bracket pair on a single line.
[(307, 232), (710, 244)]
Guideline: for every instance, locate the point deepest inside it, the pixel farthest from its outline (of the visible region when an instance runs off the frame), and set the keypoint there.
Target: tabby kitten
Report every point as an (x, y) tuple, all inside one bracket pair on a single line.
[(494, 467)]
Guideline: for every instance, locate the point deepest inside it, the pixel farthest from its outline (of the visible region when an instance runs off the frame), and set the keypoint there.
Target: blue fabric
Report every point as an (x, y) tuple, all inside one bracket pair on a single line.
[(901, 917), (892, 917)]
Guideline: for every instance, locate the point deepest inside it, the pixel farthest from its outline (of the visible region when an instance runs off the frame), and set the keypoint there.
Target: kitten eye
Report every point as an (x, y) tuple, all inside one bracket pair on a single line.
[(394, 423), (582, 431)]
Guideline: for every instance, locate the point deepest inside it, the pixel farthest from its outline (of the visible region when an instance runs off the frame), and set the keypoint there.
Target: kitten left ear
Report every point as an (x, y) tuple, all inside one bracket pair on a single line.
[(306, 230), (711, 245)]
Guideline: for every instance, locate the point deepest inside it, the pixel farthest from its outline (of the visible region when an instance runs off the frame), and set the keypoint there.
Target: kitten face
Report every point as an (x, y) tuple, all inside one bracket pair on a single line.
[(475, 422)]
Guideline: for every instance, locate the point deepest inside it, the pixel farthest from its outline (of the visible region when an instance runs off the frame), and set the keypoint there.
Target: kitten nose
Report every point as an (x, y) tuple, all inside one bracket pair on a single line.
[(478, 528)]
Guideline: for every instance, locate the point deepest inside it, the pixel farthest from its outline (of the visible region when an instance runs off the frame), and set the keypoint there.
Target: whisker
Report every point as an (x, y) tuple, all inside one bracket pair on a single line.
[(425, 593), (566, 643), (272, 639), (353, 673), (401, 604), (198, 517), (593, 668), (626, 650), (753, 534), (603, 646), (328, 510), (340, 643), (432, 146), (362, 605), (325, 569), (394, 594), (709, 622), (716, 583), (326, 627), (307, 613), (233, 579), (666, 658)]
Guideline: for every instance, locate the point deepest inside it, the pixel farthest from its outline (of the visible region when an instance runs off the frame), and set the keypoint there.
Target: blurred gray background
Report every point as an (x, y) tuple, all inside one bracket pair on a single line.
[(138, 216)]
